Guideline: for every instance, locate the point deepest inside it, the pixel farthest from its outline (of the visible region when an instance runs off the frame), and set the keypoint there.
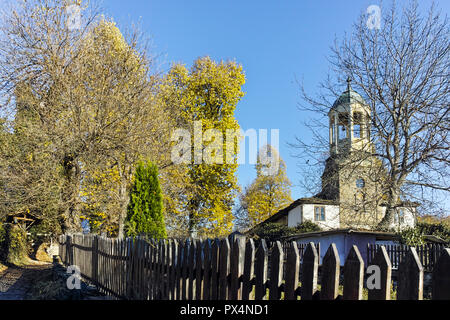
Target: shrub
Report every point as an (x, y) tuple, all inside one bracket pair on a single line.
[(17, 245), (271, 231), (275, 231), (145, 210), (436, 229), (307, 226), (411, 237)]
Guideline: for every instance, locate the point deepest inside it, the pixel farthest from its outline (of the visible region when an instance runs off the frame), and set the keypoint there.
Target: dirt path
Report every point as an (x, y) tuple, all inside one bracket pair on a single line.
[(15, 282)]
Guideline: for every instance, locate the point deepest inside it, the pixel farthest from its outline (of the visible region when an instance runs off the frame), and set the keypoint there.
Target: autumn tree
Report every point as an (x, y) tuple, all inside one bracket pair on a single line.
[(208, 94), (39, 49), (119, 113), (268, 193), (93, 93), (30, 174), (401, 70)]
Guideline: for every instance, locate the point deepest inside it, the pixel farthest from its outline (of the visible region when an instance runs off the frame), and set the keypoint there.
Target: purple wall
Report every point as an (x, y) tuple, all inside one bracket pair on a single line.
[(344, 242)]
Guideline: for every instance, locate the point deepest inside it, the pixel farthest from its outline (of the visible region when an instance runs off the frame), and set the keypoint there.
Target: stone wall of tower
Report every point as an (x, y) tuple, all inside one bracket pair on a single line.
[(360, 194)]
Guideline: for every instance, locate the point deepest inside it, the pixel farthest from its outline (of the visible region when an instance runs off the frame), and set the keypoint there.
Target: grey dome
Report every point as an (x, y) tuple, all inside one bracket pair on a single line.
[(349, 97)]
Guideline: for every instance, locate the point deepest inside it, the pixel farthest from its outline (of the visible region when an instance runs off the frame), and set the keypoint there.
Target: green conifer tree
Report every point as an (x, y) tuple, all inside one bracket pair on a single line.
[(145, 213)]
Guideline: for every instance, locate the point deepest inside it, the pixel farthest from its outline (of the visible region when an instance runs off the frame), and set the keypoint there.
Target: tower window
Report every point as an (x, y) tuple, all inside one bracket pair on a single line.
[(357, 131), (319, 213), (360, 183), (342, 132), (343, 126), (358, 125)]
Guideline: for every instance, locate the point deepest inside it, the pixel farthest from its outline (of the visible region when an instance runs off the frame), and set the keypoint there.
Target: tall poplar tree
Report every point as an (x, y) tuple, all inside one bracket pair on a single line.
[(268, 193), (207, 95)]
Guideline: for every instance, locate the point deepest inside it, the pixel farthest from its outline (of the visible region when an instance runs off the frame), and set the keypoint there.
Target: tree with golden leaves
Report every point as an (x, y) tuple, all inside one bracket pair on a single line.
[(268, 193), (207, 95)]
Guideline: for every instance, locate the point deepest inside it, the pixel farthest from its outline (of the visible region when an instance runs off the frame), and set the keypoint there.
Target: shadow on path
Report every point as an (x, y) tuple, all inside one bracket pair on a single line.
[(15, 282)]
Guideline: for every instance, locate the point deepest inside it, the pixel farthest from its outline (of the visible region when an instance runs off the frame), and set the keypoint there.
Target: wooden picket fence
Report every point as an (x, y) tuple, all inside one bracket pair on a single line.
[(428, 254), (146, 269)]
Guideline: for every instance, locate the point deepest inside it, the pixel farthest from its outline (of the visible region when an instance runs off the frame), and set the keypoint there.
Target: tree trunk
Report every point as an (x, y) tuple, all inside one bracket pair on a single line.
[(391, 207), (124, 199), (71, 197)]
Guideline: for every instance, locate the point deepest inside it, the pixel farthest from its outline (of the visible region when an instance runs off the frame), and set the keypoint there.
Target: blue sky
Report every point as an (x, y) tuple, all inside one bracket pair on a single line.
[(275, 41)]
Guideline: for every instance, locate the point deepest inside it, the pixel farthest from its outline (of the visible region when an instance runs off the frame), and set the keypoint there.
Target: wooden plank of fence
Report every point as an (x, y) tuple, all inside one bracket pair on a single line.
[(383, 262), (157, 270), (410, 277), (139, 280), (191, 262), (249, 269), (276, 271), (353, 275), (156, 265), (165, 270), (185, 272), (129, 266), (152, 268), (172, 268), (179, 270), (198, 271), (262, 257), (224, 269), (309, 272), (420, 252), (331, 267), (215, 253), (292, 271), (441, 277), (162, 269), (135, 273), (206, 293), (236, 268), (95, 259)]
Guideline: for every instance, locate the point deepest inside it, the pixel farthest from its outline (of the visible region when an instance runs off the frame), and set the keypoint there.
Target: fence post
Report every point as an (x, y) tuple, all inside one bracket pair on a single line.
[(199, 271), (206, 295), (310, 267), (224, 269), (276, 271), (236, 268), (153, 258), (353, 275), (331, 267), (172, 269), (95, 259), (215, 269), (249, 269), (292, 271), (185, 270), (441, 277), (410, 277), (179, 247), (384, 263), (261, 270), (192, 266), (69, 250)]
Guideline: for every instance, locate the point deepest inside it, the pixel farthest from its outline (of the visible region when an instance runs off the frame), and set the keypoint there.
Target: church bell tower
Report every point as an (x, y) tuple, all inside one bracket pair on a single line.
[(351, 171)]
